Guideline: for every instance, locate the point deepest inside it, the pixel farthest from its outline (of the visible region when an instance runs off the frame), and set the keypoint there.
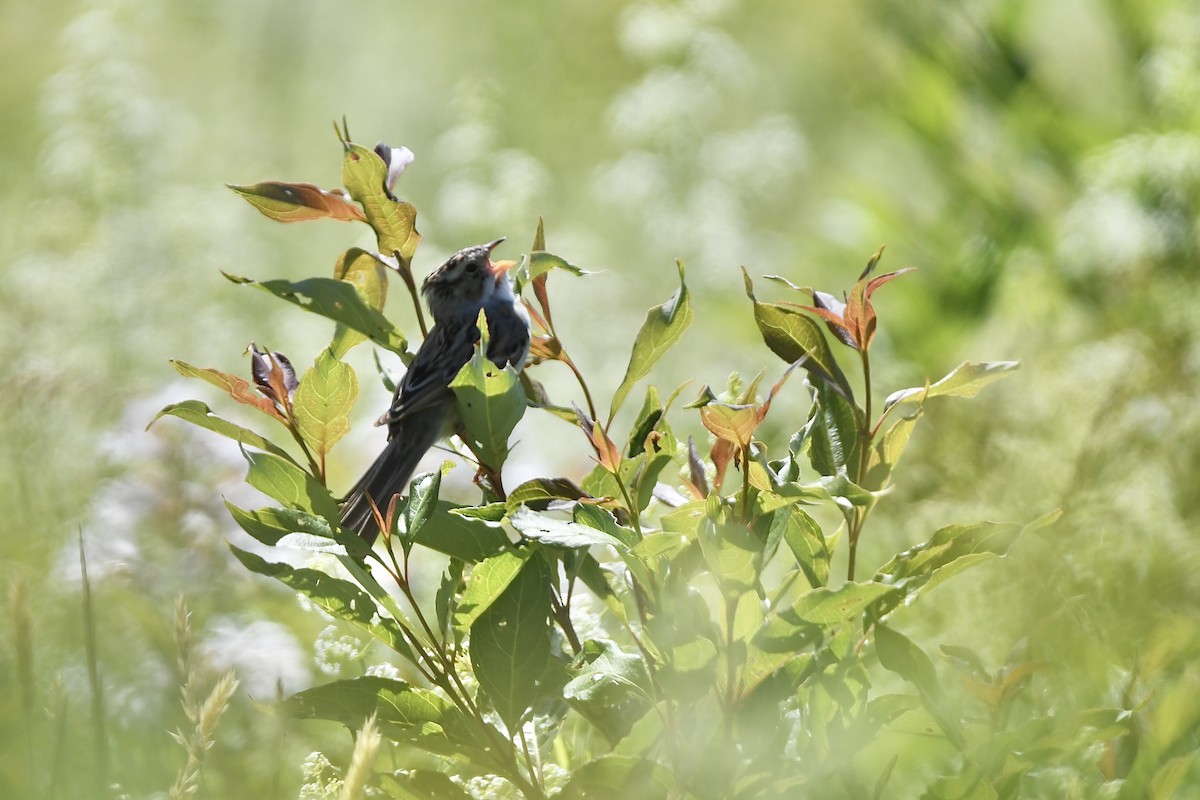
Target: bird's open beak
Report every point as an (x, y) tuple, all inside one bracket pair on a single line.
[(498, 268)]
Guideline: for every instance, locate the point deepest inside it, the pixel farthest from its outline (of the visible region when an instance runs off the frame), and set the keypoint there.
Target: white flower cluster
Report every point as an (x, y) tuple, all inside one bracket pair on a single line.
[(322, 781), (334, 650)]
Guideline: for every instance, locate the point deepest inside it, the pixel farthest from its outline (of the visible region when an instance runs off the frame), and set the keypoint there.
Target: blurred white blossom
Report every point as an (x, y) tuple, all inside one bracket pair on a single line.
[(265, 655)]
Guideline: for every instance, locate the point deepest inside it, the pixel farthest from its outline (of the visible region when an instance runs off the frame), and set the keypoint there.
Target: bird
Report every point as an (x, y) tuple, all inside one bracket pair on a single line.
[(423, 407)]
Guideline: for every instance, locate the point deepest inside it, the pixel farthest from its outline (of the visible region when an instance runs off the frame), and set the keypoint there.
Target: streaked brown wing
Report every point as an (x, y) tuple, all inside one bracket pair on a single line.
[(441, 356)]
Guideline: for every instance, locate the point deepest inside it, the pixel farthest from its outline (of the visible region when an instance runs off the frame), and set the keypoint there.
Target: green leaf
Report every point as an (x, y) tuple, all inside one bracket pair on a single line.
[(540, 262), (898, 654), (404, 714), (603, 520), (470, 539), (297, 202), (200, 415), (395, 222), (510, 643), (421, 503), (951, 550), (539, 492), (887, 450), (647, 419), (490, 402), (338, 597), (792, 335), (323, 401), (596, 578), (271, 526), (828, 607), (313, 544), (488, 580), (610, 689), (734, 555), (787, 632), (558, 532), (807, 543), (420, 784), (1170, 775), (368, 275), (267, 525), (283, 481), (491, 512), (450, 588), (970, 784), (663, 327), (659, 451), (834, 439), (617, 777), (965, 380), (335, 300)]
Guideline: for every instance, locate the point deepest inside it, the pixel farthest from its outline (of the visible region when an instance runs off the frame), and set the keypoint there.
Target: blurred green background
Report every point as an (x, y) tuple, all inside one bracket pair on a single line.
[(1039, 163)]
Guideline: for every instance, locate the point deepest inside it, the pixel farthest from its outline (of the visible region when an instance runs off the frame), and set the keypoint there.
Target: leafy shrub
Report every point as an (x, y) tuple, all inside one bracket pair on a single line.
[(727, 659)]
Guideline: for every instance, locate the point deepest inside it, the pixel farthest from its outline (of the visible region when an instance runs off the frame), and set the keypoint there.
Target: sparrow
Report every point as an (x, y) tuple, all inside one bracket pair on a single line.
[(423, 409)]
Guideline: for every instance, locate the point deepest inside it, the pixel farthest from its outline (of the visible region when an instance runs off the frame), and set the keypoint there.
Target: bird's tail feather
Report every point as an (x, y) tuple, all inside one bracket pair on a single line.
[(386, 477)]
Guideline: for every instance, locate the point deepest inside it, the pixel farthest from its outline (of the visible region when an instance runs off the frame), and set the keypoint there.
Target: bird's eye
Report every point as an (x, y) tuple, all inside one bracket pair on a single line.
[(472, 267)]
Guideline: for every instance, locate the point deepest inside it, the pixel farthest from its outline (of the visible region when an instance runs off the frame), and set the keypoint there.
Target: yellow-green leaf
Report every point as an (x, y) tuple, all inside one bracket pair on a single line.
[(663, 327), (367, 274), (965, 380), (394, 221), (490, 402), (323, 402)]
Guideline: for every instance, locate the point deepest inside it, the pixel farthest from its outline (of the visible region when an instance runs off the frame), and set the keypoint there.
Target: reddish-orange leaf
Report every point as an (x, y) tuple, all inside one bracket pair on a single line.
[(735, 424), (766, 406), (239, 389), (836, 323), (298, 202), (539, 291), (857, 312), (607, 452), (535, 315), (875, 283), (869, 287), (722, 453), (544, 348)]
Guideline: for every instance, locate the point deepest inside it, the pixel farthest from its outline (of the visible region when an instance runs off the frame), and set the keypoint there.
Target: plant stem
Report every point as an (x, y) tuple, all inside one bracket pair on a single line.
[(865, 436), (730, 667), (318, 471), (405, 270), (587, 395), (746, 484), (565, 358), (562, 616), (531, 763), (634, 512)]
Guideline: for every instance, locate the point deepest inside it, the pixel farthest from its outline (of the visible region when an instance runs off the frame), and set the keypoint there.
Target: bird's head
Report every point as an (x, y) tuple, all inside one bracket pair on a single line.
[(465, 281)]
